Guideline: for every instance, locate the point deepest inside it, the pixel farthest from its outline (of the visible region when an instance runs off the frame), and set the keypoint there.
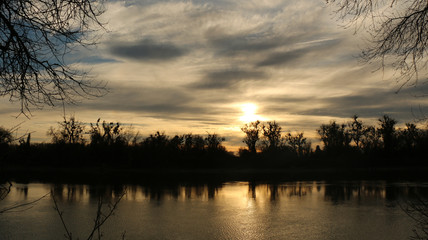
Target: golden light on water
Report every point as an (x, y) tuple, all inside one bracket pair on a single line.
[(249, 113)]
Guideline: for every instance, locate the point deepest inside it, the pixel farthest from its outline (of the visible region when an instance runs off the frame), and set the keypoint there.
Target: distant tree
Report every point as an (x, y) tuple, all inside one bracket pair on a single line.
[(107, 133), (423, 138), (25, 141), (387, 131), (410, 136), (213, 142), (272, 133), (193, 142), (188, 141), (5, 136), (252, 135), (356, 130), (35, 36), (158, 141), (176, 143), (300, 145), (334, 136), (198, 143), (70, 131), (132, 138), (398, 30), (371, 139)]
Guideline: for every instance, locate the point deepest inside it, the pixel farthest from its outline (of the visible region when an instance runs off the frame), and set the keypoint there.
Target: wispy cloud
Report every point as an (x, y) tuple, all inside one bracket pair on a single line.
[(228, 79), (310, 52), (147, 50)]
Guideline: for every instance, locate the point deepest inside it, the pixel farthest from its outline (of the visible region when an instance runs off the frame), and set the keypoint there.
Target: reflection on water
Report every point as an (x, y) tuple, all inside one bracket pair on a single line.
[(334, 192), (238, 210)]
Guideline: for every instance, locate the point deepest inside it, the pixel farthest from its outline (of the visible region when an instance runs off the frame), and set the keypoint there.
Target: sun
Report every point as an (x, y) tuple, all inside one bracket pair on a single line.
[(249, 111)]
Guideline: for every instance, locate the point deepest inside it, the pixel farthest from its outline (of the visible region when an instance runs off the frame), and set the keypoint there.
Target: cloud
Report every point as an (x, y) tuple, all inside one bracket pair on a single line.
[(97, 60), (372, 104), (227, 78), (144, 99), (242, 43), (147, 50), (162, 102), (309, 50), (365, 102)]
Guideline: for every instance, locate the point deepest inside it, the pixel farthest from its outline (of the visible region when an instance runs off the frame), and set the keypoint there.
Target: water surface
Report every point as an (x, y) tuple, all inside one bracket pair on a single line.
[(232, 210)]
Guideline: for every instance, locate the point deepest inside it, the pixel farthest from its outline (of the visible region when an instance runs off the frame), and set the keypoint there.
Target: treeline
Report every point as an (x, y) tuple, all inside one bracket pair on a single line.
[(112, 144), (348, 144)]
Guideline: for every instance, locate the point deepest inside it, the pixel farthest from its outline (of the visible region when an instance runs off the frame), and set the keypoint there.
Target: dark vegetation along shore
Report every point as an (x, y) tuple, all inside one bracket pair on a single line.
[(117, 154)]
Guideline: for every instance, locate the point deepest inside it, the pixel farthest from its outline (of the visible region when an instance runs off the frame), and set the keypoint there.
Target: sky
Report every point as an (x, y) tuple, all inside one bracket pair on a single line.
[(211, 66)]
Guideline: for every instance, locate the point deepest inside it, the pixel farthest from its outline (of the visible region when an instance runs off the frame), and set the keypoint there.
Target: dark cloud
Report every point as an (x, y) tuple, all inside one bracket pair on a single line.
[(372, 104), (143, 99), (369, 103), (261, 41), (227, 78), (147, 50), (312, 51), (172, 103), (234, 44), (283, 58), (97, 60)]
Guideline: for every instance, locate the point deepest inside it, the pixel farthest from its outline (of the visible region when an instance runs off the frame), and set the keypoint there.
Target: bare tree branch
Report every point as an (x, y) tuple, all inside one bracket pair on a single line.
[(100, 219), (67, 234), (417, 209), (399, 34), (35, 36)]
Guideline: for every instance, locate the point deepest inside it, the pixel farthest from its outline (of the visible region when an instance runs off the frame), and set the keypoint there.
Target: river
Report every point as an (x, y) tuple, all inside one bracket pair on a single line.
[(228, 210)]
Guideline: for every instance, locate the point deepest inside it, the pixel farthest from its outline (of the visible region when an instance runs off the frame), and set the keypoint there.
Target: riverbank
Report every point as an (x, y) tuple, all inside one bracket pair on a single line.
[(109, 175)]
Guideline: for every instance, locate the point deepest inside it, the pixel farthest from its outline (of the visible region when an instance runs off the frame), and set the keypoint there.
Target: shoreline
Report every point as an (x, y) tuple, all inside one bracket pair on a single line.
[(108, 175)]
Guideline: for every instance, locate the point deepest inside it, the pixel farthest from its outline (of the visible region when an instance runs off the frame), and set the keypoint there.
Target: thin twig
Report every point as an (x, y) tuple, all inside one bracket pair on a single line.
[(8, 209), (101, 218), (68, 234)]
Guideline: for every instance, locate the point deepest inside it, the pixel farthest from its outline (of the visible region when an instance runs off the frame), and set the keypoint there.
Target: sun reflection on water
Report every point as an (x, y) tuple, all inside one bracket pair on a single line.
[(231, 210)]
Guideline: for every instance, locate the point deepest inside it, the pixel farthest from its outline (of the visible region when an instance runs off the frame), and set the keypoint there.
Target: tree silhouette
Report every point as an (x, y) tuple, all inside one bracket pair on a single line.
[(213, 142), (70, 131), (411, 136), (158, 141), (5, 136), (398, 29), (252, 135), (272, 132), (356, 130), (387, 131), (334, 136), (176, 142), (107, 133), (35, 36), (193, 142), (300, 145), (370, 139)]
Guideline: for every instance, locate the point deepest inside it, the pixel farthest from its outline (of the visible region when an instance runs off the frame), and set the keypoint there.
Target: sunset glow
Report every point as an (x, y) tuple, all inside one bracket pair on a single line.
[(249, 111), (211, 66)]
